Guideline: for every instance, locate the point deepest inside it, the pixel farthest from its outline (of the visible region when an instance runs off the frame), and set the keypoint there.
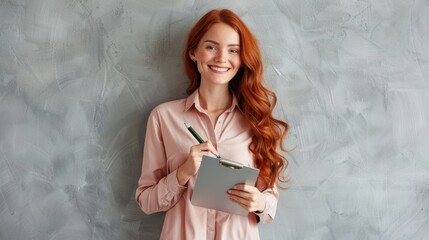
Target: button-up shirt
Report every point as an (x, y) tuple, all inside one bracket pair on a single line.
[(167, 146)]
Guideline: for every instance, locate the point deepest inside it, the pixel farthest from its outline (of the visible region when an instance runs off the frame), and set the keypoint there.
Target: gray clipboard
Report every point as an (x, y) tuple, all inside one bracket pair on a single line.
[(215, 177)]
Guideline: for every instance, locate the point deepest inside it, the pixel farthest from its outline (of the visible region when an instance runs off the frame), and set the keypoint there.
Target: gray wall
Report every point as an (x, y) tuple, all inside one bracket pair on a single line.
[(79, 78)]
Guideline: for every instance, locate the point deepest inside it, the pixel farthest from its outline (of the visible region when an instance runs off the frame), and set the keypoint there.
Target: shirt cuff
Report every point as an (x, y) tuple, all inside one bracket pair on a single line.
[(269, 211), (172, 184), (265, 207)]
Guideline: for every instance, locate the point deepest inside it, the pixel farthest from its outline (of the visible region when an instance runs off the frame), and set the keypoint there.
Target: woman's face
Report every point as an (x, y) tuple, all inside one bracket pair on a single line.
[(218, 55)]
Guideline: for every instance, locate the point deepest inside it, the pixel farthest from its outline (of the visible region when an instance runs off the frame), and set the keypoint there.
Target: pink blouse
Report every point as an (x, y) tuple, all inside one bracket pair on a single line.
[(167, 145)]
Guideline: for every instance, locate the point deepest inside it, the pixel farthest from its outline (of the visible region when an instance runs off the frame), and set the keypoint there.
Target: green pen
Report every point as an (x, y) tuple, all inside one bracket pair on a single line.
[(195, 134)]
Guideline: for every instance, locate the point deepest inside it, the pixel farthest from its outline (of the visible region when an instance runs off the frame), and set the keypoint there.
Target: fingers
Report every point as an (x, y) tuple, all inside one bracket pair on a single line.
[(242, 200), (248, 197), (202, 148), (195, 156), (190, 167), (243, 193), (211, 148)]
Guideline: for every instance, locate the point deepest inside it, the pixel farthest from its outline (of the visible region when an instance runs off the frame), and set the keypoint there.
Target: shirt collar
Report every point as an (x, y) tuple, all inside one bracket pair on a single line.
[(194, 100)]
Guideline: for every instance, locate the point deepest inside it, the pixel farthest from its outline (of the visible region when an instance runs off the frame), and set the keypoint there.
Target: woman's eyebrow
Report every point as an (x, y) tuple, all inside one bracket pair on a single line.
[(216, 43)]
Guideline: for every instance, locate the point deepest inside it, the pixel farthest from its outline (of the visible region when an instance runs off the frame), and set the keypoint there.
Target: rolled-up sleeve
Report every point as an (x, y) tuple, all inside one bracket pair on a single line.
[(158, 190), (271, 199)]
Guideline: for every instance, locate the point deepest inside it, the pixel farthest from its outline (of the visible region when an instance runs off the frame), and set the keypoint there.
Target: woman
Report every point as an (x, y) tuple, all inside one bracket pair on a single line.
[(230, 107)]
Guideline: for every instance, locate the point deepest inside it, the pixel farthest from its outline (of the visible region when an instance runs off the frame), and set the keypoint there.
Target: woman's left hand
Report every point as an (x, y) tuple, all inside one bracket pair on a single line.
[(249, 197)]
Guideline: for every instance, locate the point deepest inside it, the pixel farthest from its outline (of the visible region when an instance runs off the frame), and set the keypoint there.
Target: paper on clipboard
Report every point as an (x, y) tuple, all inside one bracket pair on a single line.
[(215, 178)]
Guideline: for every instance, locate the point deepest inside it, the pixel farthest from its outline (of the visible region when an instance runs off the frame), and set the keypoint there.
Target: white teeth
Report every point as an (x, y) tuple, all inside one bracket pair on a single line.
[(219, 69)]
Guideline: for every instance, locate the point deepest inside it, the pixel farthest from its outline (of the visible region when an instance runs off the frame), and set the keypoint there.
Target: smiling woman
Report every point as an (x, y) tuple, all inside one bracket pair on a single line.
[(217, 56), (229, 104)]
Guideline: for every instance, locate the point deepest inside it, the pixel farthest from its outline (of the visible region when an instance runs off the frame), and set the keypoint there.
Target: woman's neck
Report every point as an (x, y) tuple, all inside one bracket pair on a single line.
[(215, 99)]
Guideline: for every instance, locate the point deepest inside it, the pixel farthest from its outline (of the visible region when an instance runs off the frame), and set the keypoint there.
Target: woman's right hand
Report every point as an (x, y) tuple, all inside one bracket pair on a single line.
[(190, 167)]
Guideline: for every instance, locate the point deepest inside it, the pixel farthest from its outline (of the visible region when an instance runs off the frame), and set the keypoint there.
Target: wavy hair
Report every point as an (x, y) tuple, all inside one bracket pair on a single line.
[(254, 99)]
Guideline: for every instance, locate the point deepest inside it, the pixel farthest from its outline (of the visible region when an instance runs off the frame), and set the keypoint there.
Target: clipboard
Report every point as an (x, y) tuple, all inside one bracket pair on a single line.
[(215, 177)]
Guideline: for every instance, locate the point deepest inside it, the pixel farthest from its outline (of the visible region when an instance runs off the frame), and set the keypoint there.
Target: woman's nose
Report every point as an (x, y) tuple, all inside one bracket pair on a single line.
[(220, 56)]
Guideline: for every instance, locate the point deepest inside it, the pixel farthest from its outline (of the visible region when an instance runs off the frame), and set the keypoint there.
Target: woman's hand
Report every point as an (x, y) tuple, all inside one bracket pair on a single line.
[(248, 197), (190, 167)]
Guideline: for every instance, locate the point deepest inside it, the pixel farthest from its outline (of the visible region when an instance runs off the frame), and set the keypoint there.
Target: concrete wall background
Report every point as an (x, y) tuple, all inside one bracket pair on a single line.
[(79, 78)]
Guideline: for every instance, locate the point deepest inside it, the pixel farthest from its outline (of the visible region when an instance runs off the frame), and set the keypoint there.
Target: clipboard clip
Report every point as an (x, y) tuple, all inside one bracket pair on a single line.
[(230, 164)]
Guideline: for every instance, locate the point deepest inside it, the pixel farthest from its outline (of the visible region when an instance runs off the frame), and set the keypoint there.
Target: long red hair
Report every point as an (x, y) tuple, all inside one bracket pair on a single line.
[(255, 100)]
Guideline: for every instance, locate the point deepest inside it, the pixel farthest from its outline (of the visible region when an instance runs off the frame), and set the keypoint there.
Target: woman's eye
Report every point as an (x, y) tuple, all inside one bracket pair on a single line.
[(211, 48), (234, 51)]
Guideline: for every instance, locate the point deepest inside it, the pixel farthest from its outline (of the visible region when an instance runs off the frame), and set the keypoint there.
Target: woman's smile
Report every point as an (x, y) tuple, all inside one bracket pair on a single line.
[(219, 69)]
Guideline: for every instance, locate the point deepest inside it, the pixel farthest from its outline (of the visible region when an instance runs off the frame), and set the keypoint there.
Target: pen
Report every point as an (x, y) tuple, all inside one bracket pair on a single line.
[(195, 134)]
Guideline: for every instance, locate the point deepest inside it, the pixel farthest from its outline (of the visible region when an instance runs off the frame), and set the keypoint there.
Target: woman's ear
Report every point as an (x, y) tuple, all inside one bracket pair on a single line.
[(192, 55)]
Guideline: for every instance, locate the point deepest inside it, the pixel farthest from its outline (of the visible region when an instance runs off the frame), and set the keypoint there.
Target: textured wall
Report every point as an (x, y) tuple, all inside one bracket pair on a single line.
[(79, 77)]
